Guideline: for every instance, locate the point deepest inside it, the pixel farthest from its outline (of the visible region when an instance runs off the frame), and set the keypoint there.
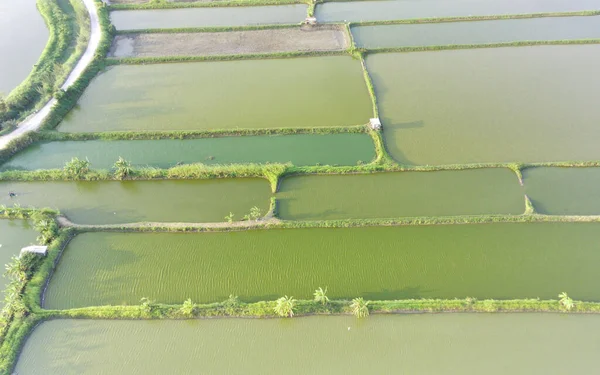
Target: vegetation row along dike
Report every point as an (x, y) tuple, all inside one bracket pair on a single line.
[(35, 122)]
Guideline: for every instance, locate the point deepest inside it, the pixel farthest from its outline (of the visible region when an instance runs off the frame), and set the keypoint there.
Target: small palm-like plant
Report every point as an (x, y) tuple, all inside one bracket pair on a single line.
[(565, 301), (360, 307), (321, 296), (285, 306), (229, 217), (188, 308), (255, 213), (146, 305), (76, 168), (122, 168)]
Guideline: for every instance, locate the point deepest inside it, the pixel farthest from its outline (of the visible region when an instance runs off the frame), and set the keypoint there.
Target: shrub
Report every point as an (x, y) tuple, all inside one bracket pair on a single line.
[(321, 296), (76, 168), (284, 306), (360, 307)]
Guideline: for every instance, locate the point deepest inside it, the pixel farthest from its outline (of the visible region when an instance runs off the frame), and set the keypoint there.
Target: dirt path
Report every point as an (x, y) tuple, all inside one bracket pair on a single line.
[(297, 39), (33, 122)]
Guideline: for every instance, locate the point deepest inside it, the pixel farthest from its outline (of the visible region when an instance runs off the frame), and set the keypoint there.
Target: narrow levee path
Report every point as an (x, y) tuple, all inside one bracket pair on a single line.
[(34, 121)]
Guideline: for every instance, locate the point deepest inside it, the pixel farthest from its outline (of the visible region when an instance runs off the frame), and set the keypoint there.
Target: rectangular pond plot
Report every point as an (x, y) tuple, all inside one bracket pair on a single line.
[(481, 32), (388, 195), (360, 11), (295, 39), (282, 93), (490, 105), (500, 261), (115, 202), (301, 149), (208, 17), (335, 345), (14, 235), (564, 191)]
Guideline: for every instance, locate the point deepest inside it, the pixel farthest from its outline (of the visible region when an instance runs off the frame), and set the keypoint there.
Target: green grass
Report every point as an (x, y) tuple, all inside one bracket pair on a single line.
[(213, 29), (172, 5)]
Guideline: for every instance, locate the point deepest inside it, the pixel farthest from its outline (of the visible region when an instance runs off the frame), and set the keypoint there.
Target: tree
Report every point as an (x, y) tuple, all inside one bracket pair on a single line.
[(188, 308), (76, 168), (255, 213), (360, 307), (122, 168), (566, 301), (3, 104), (285, 306), (321, 296), (229, 217)]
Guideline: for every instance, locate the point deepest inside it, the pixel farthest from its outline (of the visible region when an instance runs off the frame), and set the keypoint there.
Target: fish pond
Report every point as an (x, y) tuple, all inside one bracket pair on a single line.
[(387, 195), (208, 17), (500, 261), (301, 149), (357, 11), (280, 93), (113, 202), (20, 47), (500, 343), (14, 235), (490, 105), (481, 32), (564, 191)]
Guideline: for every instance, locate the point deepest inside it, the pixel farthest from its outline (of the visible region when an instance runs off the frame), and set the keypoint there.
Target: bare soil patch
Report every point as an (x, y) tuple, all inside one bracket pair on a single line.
[(300, 39)]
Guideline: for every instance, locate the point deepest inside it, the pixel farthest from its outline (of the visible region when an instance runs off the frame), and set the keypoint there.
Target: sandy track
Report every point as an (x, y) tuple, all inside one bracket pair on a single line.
[(34, 121), (299, 39)]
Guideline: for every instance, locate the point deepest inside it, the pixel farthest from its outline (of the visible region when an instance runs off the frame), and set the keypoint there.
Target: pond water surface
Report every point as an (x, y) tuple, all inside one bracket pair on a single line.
[(112, 202), (286, 93), (386, 195), (23, 36), (500, 261), (500, 343), (520, 104), (208, 17), (480, 32), (301, 149)]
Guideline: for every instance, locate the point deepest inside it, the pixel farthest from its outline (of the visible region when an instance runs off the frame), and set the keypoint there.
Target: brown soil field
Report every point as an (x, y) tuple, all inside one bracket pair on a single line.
[(300, 39)]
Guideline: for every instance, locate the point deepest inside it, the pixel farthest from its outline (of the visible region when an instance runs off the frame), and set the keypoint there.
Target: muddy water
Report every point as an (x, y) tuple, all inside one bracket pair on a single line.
[(494, 260), (490, 105), (522, 343), (110, 202), (302, 149), (207, 17), (384, 195), (14, 235), (356, 11), (303, 92), (23, 36), (434, 34), (564, 191)]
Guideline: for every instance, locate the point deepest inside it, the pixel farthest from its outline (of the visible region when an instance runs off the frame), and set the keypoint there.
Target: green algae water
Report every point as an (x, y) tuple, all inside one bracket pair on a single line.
[(287, 93), (14, 235), (113, 202), (564, 191), (356, 11), (489, 105), (20, 45), (301, 149), (483, 32), (500, 261), (500, 343), (386, 195), (208, 17)]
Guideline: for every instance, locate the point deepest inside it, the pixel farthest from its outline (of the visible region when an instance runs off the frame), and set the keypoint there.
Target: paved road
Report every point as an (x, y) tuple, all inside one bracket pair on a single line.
[(33, 122)]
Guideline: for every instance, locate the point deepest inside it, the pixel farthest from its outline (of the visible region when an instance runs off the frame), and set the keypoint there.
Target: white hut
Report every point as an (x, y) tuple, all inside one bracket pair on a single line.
[(41, 250), (375, 123)]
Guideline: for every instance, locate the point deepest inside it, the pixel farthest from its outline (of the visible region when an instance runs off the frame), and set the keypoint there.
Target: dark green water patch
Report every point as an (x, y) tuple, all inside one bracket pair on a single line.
[(302, 149), (335, 345), (385, 195), (14, 235), (564, 191), (483, 261), (489, 105), (207, 17), (356, 11), (111, 202), (482, 32), (286, 93)]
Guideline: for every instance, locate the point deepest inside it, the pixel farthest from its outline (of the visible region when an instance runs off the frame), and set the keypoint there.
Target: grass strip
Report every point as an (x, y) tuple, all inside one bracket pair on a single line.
[(213, 29), (202, 4)]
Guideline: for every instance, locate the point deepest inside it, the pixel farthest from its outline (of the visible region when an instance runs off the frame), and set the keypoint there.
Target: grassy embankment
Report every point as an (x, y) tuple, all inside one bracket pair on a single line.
[(163, 4)]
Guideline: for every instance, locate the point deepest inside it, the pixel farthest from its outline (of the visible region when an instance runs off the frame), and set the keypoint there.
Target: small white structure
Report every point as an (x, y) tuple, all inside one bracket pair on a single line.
[(375, 123), (41, 250), (310, 20)]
